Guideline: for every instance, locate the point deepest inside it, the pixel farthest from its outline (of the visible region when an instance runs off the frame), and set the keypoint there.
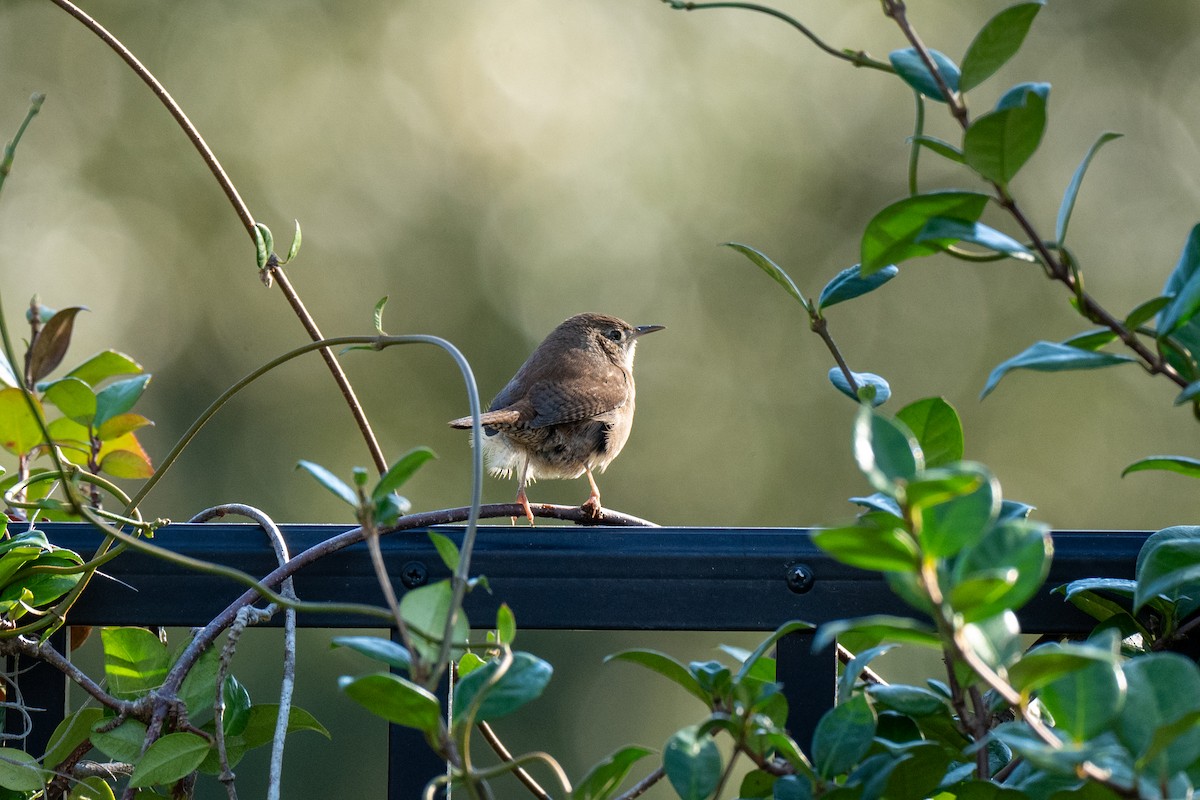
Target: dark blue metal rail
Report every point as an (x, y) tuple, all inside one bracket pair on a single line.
[(556, 578)]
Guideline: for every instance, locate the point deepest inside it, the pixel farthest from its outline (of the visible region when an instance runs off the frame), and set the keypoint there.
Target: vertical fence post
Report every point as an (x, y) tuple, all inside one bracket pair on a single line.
[(411, 762), (809, 682)]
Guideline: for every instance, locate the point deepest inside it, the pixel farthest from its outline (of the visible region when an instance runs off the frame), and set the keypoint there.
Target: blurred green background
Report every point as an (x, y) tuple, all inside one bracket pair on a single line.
[(495, 167)]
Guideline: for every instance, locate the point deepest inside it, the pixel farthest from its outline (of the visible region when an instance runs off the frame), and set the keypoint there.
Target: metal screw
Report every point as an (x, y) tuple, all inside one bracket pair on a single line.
[(413, 575), (800, 578)]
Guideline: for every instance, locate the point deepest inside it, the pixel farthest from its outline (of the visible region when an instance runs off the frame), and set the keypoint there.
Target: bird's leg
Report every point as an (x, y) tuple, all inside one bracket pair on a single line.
[(591, 506), (522, 498)]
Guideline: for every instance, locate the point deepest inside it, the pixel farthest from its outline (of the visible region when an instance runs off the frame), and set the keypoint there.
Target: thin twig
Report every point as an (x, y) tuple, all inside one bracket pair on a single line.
[(643, 786), (505, 755)]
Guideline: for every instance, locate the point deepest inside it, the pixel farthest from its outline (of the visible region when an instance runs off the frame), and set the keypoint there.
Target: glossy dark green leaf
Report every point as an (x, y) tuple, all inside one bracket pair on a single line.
[(938, 429), (50, 346), (998, 144), (1091, 340), (912, 701), (396, 699), (886, 452), (604, 779), (872, 388), (1068, 202), (1169, 565), (918, 772), (664, 665), (692, 763), (1184, 287), (843, 736), (1146, 311), (1016, 546), (760, 260), (941, 147), (963, 520), (1181, 464), (1085, 702), (122, 743), (1050, 662), (405, 467), (237, 706), (199, 689), (1163, 688), (330, 481), (942, 229), (935, 487), (1052, 357), (791, 787), (119, 397), (912, 70), (877, 628), (871, 544), (520, 684), (169, 758), (260, 729), (70, 733), (850, 283), (997, 42), (891, 236)]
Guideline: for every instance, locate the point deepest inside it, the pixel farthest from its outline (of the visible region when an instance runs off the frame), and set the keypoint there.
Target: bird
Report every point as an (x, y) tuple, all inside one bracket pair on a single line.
[(568, 410)]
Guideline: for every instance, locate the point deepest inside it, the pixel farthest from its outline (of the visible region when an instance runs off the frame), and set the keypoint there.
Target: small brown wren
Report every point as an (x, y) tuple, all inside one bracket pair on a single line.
[(569, 408)]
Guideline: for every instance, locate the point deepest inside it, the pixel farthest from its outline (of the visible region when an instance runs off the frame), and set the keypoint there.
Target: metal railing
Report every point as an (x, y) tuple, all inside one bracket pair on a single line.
[(555, 578)]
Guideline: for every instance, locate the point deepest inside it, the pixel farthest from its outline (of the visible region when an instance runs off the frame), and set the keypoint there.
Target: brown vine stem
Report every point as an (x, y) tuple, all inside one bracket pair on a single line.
[(243, 212)]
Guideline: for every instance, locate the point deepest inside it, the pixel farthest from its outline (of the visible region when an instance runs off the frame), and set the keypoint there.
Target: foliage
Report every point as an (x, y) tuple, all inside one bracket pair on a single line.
[(1115, 715)]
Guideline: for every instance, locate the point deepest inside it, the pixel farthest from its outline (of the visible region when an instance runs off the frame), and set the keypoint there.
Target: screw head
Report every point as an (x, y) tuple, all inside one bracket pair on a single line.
[(414, 574), (800, 578)]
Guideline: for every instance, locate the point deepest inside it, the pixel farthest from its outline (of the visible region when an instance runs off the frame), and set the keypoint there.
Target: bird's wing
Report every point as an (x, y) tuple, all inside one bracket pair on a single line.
[(563, 401)]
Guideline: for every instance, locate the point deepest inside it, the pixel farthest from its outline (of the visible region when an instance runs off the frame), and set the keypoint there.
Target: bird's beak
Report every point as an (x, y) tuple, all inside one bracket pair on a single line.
[(643, 329)]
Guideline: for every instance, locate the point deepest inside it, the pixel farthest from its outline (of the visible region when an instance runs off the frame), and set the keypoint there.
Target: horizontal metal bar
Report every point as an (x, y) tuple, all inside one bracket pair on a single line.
[(559, 577)]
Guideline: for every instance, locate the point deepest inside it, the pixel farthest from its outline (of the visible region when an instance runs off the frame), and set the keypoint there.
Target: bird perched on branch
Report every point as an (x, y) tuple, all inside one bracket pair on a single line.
[(569, 408)]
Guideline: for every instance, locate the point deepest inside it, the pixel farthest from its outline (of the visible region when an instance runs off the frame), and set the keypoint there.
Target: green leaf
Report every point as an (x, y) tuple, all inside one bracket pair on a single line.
[(886, 452), (294, 250), (997, 42), (1068, 202), (73, 398), (1184, 285), (391, 653), (1091, 340), (260, 727), (378, 316), (912, 70), (522, 683), (940, 229), (1162, 690), (871, 388), (122, 743), (768, 266), (104, 365), (120, 425), (875, 629), (751, 661), (8, 378), (664, 665), (1086, 701), (19, 429), (404, 468), (996, 640), (264, 243), (447, 549), (891, 235), (692, 763), (506, 624), (119, 397), (126, 464), (791, 787), (396, 699), (135, 661), (850, 283), (843, 736), (1189, 393), (50, 346), (603, 780), (946, 528), (939, 146), (170, 758), (1052, 357), (1181, 464), (94, 788), (999, 143), (1168, 565), (878, 542), (1145, 312), (70, 733), (938, 429), (330, 481), (237, 706), (913, 701), (20, 771), (199, 689), (1014, 547), (426, 609)]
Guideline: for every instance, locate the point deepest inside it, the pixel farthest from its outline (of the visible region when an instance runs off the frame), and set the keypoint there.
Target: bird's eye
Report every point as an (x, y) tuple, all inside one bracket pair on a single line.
[(616, 334)]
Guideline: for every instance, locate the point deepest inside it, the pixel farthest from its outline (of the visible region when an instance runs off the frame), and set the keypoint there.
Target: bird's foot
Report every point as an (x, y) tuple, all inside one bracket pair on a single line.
[(524, 502), (591, 508)]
